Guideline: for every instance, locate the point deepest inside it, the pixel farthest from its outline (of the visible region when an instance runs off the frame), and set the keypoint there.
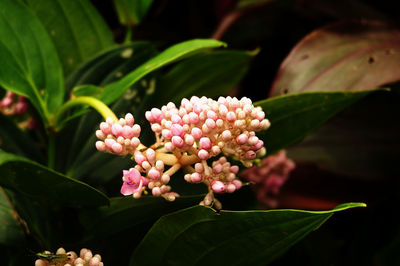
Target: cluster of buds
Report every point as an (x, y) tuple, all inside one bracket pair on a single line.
[(187, 137), (118, 137), (13, 104), (268, 179), (63, 258)]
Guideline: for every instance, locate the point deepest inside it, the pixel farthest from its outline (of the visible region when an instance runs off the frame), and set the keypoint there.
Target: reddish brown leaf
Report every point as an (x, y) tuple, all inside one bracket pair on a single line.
[(349, 55)]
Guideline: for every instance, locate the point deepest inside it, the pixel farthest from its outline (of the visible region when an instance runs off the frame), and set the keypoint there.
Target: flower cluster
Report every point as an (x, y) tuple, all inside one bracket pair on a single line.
[(63, 258), (13, 104), (187, 137), (270, 177)]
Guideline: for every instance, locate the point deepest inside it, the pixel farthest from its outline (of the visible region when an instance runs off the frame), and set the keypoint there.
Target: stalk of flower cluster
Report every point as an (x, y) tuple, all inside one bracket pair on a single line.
[(188, 137)]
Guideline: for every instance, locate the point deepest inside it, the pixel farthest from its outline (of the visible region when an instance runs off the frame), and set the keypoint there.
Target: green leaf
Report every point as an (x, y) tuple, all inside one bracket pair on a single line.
[(126, 212), (114, 90), (10, 230), (293, 116), (201, 236), (76, 28), (349, 55), (30, 63), (362, 141), (12, 139), (209, 74), (131, 12), (39, 182)]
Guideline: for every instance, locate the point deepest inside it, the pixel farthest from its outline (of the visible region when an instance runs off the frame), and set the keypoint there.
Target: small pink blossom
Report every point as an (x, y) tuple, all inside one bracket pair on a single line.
[(133, 182)]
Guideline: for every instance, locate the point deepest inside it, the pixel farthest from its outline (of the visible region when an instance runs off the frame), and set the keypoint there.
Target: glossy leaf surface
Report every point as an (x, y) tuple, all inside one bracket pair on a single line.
[(228, 237), (114, 90), (127, 213), (30, 62), (293, 116), (76, 28), (40, 182), (343, 56)]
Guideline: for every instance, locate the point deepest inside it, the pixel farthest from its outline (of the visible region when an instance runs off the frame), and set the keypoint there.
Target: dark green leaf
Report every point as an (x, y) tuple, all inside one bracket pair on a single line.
[(10, 230), (131, 12), (126, 212), (114, 90), (200, 236), (40, 182), (362, 141), (12, 139), (293, 116), (30, 63), (209, 74), (76, 28), (348, 55)]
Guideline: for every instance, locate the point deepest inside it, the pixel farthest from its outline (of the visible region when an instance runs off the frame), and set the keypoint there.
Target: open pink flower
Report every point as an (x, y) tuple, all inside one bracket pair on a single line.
[(133, 182)]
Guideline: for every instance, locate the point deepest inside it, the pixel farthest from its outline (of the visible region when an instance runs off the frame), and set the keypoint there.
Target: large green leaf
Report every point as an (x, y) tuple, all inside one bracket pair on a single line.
[(30, 65), (293, 116), (125, 213), (76, 28), (363, 141), (201, 236), (131, 12), (348, 55), (40, 182), (10, 230), (114, 90), (210, 74)]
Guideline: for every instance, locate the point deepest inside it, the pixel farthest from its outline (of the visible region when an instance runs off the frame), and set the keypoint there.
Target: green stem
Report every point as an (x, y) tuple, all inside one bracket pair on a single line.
[(128, 35), (96, 104)]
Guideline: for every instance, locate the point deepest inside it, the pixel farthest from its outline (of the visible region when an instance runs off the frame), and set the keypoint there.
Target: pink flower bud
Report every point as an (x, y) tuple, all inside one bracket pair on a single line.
[(105, 128), (217, 168), (234, 169), (203, 154), (189, 139), (226, 135), (151, 155), (199, 167), (130, 120), (177, 130), (217, 186), (156, 128), (231, 116), (205, 143), (176, 119), (210, 123), (194, 118), (177, 141), (154, 174), (109, 142), (196, 178), (100, 146), (166, 133), (197, 133), (165, 179), (139, 157), (157, 114), (127, 132), (116, 129), (242, 139), (149, 117), (237, 183), (230, 188), (156, 191), (116, 147)]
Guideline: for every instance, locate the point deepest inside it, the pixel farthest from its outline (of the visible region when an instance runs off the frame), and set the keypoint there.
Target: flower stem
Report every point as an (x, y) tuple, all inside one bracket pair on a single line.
[(96, 104)]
